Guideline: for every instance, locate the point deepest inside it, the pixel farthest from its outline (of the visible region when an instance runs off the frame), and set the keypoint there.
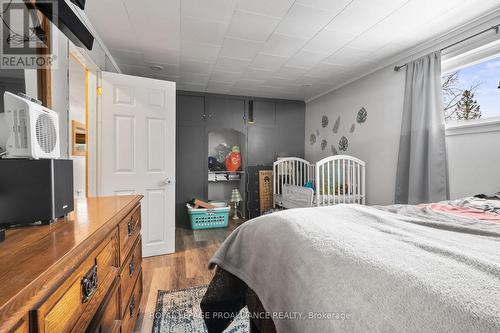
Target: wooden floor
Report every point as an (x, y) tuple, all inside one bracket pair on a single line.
[(187, 267)]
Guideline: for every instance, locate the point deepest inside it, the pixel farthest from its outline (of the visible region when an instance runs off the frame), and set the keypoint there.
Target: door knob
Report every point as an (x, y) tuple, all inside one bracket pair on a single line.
[(167, 181)]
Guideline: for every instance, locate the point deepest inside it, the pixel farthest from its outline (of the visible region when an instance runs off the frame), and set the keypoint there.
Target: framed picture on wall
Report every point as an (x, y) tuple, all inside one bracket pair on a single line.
[(79, 139)]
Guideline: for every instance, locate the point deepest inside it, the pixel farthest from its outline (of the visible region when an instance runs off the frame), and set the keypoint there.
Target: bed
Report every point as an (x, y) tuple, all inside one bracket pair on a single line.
[(332, 180), (355, 268)]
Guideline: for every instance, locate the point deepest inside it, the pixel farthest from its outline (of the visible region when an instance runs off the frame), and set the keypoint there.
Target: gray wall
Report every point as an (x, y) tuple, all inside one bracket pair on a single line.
[(278, 131)]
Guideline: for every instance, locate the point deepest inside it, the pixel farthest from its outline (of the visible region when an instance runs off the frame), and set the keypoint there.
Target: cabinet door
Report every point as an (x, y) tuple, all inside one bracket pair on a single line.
[(264, 114), (290, 129), (261, 147), (190, 110), (225, 113), (191, 154)]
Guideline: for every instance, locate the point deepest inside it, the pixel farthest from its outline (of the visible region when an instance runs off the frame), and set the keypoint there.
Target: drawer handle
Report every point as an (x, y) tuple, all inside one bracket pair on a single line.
[(131, 307), (131, 266), (131, 226), (89, 284)]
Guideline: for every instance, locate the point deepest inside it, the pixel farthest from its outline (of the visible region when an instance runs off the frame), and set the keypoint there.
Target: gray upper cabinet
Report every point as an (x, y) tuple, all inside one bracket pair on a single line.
[(225, 113), (190, 110), (290, 129), (290, 115), (261, 145), (264, 114)]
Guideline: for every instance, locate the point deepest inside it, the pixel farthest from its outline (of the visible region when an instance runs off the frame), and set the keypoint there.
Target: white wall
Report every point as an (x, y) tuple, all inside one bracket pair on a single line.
[(474, 159), (376, 141)]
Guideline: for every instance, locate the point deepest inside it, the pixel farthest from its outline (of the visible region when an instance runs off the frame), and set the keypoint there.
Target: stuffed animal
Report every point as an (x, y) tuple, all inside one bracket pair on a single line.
[(233, 160)]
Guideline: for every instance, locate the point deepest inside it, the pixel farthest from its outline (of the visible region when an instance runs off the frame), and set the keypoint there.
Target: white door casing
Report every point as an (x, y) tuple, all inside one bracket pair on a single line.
[(137, 152)]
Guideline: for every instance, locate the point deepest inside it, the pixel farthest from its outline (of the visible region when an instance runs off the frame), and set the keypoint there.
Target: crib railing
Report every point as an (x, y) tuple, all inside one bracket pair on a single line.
[(340, 179), (291, 171)]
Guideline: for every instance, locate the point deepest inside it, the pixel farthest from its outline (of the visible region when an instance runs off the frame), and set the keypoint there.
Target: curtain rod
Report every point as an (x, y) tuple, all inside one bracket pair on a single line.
[(495, 27)]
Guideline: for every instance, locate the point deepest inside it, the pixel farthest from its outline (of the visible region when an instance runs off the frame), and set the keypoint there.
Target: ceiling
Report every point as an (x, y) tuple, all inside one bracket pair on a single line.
[(269, 48)]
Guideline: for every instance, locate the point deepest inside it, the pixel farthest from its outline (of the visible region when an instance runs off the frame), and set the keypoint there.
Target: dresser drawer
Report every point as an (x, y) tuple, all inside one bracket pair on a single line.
[(132, 310), (129, 229), (72, 306), (107, 319), (130, 271)]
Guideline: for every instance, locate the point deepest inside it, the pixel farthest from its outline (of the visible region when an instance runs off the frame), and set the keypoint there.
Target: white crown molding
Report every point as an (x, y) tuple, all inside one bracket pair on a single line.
[(85, 20), (455, 35)]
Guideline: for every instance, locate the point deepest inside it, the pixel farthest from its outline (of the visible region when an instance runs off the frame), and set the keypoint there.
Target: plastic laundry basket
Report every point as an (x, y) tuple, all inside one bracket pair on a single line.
[(202, 218)]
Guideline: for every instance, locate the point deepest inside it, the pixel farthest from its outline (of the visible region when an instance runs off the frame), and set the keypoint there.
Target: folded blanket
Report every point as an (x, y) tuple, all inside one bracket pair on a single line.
[(350, 268)]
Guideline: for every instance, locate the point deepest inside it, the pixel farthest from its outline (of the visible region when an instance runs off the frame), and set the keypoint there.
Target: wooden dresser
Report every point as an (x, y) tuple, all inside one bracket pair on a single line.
[(80, 274)]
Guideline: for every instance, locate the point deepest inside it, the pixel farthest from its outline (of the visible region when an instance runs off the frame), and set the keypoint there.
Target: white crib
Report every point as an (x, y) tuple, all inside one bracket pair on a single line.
[(336, 179)]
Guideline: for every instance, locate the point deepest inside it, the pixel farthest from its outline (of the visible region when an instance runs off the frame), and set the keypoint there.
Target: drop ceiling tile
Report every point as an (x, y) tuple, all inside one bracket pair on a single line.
[(305, 59), (200, 52), (279, 82), (139, 70), (216, 10), (219, 86), (348, 55), (325, 71), (163, 56), (360, 16), (201, 31), (224, 76), (276, 8), (166, 70), (251, 26), (240, 48), (334, 6), (118, 19), (328, 41), (370, 42), (268, 62), (243, 91), (194, 78), (231, 64), (196, 67), (127, 57), (282, 45), (256, 74), (248, 84), (152, 21), (291, 73), (303, 22)]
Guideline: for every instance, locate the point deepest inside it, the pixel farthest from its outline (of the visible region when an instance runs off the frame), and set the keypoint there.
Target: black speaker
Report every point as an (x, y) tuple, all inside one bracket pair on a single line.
[(35, 190)]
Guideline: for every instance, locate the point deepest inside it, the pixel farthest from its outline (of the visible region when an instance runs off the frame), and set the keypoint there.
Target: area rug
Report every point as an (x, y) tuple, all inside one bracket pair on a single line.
[(179, 311)]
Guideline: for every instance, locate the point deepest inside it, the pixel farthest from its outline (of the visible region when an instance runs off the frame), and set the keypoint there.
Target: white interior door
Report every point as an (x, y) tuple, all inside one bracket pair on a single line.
[(137, 152)]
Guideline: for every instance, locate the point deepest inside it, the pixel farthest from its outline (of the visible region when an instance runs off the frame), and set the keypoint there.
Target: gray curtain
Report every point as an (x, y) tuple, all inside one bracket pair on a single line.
[(421, 172)]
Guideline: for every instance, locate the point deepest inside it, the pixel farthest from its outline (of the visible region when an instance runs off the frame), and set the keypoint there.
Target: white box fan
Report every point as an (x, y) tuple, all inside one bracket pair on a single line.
[(33, 129)]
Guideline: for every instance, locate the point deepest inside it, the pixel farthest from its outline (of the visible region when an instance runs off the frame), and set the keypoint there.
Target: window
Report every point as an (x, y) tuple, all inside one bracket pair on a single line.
[(472, 92)]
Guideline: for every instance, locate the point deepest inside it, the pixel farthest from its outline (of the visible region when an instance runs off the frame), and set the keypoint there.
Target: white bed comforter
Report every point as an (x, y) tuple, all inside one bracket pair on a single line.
[(363, 269)]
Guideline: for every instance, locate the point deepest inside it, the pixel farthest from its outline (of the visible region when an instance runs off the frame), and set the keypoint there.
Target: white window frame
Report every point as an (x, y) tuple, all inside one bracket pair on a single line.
[(468, 55)]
